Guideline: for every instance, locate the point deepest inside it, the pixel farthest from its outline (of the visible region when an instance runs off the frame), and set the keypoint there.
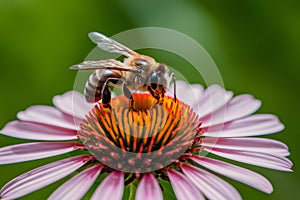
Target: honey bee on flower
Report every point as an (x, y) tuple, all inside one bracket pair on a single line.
[(137, 72)]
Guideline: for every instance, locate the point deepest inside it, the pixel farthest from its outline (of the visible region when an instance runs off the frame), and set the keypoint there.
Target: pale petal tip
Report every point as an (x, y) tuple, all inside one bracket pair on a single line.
[(269, 189)]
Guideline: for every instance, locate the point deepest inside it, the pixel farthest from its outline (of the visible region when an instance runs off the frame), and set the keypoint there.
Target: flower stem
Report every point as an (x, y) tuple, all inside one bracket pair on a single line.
[(132, 189)]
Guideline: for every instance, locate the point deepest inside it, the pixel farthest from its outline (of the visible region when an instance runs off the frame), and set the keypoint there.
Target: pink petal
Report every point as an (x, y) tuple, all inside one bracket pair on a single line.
[(255, 158), (183, 187), (34, 131), (76, 187), (240, 106), (195, 92), (259, 124), (41, 177), (48, 115), (212, 186), (148, 188), (73, 103), (112, 187), (240, 174), (35, 150), (213, 98), (248, 144)]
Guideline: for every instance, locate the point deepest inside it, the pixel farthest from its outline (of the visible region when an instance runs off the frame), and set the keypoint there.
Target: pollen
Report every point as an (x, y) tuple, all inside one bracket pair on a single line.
[(144, 138)]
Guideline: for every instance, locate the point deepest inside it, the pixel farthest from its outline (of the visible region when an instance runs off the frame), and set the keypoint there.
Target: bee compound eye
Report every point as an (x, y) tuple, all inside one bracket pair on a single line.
[(154, 80)]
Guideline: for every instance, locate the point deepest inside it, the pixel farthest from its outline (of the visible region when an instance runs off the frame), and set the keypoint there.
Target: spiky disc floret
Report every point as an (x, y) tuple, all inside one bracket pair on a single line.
[(145, 138)]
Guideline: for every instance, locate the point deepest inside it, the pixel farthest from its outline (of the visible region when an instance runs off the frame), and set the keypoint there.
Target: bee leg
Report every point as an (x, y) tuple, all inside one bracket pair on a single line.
[(106, 97), (106, 93), (156, 96), (128, 94), (161, 101), (174, 80)]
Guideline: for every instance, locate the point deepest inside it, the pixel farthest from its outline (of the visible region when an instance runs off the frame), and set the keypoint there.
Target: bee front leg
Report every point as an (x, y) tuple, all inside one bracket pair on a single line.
[(127, 94), (106, 97), (174, 81), (156, 96), (106, 93)]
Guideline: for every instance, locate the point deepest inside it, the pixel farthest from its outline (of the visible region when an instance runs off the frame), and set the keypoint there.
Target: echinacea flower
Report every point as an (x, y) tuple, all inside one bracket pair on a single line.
[(147, 147)]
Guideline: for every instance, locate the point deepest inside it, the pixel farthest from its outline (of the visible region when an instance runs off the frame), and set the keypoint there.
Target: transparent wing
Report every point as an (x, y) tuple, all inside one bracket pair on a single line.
[(104, 64), (110, 45)]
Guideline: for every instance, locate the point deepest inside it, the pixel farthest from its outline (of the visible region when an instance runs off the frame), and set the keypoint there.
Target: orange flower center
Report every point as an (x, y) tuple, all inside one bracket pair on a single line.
[(145, 138)]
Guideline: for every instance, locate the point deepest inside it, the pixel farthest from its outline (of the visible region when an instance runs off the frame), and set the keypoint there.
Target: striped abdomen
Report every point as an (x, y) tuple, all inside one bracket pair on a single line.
[(96, 82)]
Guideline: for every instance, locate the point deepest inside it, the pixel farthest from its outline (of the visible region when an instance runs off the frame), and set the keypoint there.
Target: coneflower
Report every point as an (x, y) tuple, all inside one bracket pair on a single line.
[(146, 147)]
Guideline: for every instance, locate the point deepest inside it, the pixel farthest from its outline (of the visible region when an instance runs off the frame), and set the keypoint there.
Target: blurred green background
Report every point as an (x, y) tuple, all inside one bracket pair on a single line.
[(255, 44)]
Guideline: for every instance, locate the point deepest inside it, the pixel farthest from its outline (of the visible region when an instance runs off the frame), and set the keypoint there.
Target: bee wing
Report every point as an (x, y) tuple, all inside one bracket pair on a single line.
[(110, 45), (104, 64)]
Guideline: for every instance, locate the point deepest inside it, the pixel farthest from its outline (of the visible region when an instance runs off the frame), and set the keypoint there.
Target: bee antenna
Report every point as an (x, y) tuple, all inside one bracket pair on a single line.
[(174, 80)]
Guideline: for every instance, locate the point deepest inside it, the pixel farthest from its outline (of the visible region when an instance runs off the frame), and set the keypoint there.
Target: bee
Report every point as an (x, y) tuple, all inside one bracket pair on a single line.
[(137, 72)]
